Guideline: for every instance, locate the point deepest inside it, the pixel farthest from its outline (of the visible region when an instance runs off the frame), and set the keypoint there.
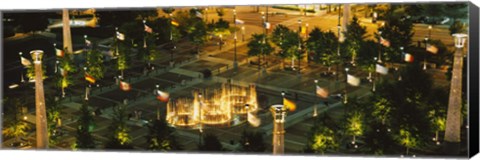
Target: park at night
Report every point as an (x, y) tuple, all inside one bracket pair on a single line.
[(308, 79)]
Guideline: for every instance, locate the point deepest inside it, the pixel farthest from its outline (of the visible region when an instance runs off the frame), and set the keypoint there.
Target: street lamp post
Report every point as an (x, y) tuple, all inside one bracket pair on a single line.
[(375, 78), (243, 33), (429, 31), (157, 88), (56, 65), (338, 52), (379, 47), (21, 71), (306, 31), (200, 128), (86, 86), (454, 116), (40, 113), (401, 61), (426, 52), (264, 24), (345, 101), (235, 63), (316, 102)]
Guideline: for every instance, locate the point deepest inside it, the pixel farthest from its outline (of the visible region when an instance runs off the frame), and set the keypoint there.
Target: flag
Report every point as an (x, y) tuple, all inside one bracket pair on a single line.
[(63, 72), (253, 120), (432, 49), (175, 23), (321, 92), (291, 106), (89, 78), (120, 36), (59, 52), (237, 21), (25, 62), (304, 30), (352, 80), (125, 86), (384, 42), (163, 96), (267, 25), (381, 69), (198, 14), (88, 43), (148, 29), (408, 57)]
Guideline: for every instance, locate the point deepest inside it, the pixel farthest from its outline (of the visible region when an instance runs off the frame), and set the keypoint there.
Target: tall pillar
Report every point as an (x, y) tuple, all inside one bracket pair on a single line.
[(67, 36), (279, 112), (40, 111), (454, 117)]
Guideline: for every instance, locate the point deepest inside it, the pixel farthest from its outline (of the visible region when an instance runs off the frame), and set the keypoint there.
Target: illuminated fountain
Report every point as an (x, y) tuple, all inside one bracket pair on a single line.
[(220, 107)]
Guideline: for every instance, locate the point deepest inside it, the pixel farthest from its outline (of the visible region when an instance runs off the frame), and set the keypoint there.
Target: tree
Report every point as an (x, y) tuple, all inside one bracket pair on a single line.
[(66, 68), (211, 144), (123, 57), (95, 65), (84, 137), (409, 106), (323, 45), (259, 46), (321, 140), (119, 137), (407, 139), (355, 126), (194, 28), (160, 136), (281, 37), (354, 38), (54, 118), (438, 101), (398, 30), (252, 141), (13, 125)]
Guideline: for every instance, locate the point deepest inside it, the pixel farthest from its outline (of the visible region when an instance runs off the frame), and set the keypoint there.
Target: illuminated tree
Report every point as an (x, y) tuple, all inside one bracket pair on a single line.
[(54, 119), (355, 125), (322, 140), (13, 125), (407, 139), (354, 38), (119, 138), (95, 66)]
